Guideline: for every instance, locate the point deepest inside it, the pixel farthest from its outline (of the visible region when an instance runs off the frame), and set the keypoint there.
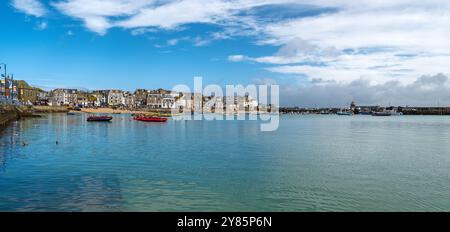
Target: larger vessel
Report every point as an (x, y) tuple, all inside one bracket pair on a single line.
[(387, 113), (99, 118)]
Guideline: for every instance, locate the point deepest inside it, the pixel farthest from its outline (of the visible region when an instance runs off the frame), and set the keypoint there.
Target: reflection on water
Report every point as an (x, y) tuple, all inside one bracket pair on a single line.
[(312, 163)]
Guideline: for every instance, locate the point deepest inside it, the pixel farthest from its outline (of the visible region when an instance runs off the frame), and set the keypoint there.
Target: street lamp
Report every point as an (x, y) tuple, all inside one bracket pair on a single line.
[(4, 75), (11, 86)]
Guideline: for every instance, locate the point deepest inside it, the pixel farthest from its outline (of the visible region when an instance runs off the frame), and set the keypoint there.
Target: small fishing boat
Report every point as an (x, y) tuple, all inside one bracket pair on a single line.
[(344, 113), (99, 118), (150, 119)]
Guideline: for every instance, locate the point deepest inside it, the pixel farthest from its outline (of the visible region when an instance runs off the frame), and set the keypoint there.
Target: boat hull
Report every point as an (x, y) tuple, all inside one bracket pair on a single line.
[(99, 119), (150, 119)]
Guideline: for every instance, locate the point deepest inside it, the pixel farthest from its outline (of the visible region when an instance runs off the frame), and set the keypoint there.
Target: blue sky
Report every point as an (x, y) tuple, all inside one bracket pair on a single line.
[(65, 53), (317, 51)]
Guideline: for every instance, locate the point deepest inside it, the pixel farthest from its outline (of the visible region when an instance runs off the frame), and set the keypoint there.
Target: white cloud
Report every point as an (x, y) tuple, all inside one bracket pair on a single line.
[(423, 91), (379, 41), (173, 42), (363, 39), (96, 13), (31, 7), (101, 15), (42, 26), (237, 58)]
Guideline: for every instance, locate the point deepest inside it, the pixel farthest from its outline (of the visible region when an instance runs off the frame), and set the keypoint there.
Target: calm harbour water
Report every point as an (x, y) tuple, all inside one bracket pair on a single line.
[(311, 163)]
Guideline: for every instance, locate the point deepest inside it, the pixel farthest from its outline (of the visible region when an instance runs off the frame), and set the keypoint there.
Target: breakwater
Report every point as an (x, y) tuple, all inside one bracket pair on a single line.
[(10, 113)]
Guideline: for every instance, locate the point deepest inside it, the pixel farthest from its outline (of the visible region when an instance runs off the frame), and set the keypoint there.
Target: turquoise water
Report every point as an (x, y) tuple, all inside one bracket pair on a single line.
[(311, 163)]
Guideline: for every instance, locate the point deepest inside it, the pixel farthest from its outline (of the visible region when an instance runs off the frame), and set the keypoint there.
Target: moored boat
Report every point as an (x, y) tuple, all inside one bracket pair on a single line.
[(387, 113), (150, 119), (344, 113), (383, 113), (99, 118), (391, 112)]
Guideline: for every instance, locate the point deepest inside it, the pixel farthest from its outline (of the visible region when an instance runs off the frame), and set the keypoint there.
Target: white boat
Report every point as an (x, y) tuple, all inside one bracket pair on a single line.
[(344, 113), (387, 113)]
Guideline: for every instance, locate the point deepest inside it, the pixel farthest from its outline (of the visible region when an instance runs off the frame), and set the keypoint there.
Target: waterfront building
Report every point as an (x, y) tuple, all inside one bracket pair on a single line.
[(83, 100), (180, 101), (116, 98), (190, 103), (100, 98), (213, 104), (27, 94), (140, 97), (185, 101), (250, 104), (130, 100), (42, 98), (230, 103), (367, 109), (63, 97), (161, 99)]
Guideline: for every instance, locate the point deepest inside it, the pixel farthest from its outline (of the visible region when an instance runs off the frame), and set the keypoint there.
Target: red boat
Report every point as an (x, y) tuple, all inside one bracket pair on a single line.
[(150, 119), (99, 118)]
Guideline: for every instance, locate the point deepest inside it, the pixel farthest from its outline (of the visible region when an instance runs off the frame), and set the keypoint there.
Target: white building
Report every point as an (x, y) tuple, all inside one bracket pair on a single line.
[(130, 100), (116, 98), (63, 97), (161, 99), (101, 98)]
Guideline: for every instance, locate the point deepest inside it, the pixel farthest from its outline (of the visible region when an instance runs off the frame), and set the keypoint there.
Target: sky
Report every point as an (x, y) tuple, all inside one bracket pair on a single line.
[(322, 53)]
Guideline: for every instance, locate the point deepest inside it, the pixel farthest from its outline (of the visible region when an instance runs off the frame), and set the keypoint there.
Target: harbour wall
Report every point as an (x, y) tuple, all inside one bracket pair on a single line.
[(10, 113)]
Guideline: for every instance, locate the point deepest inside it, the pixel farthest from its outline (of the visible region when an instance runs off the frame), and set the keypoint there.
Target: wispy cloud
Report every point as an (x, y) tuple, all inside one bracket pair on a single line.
[(97, 14), (31, 7), (41, 25), (324, 41), (363, 39), (101, 15)]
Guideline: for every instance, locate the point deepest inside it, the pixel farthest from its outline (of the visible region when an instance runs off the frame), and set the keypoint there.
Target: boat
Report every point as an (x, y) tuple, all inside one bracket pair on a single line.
[(382, 113), (387, 113), (99, 118), (71, 113), (344, 113), (150, 119)]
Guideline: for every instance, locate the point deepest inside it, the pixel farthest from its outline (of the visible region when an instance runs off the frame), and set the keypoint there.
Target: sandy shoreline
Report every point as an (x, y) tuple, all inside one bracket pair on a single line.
[(111, 111)]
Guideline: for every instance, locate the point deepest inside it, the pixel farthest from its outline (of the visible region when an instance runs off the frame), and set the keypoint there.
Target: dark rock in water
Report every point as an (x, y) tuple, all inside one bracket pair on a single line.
[(31, 116)]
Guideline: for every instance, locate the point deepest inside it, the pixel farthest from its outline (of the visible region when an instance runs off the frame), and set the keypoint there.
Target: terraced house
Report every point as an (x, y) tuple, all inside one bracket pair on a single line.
[(63, 97), (160, 99), (27, 94), (116, 98)]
